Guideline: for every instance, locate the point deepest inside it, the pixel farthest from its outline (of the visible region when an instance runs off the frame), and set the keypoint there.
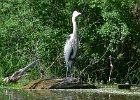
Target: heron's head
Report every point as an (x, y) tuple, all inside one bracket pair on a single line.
[(75, 14)]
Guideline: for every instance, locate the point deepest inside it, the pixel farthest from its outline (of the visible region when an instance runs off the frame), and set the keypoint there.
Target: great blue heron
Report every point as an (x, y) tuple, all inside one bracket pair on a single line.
[(71, 44)]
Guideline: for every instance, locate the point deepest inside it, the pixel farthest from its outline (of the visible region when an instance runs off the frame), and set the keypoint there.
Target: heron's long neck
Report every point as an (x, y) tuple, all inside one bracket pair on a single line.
[(74, 26)]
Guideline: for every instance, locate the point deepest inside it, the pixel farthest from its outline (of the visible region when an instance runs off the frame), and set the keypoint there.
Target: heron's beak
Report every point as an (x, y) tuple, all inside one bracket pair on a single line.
[(79, 13)]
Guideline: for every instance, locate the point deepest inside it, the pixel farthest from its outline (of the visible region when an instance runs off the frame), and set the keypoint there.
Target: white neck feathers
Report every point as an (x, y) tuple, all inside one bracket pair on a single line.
[(74, 26)]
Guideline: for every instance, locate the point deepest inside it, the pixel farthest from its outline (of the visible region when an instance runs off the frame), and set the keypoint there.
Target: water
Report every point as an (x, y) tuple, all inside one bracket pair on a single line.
[(91, 94)]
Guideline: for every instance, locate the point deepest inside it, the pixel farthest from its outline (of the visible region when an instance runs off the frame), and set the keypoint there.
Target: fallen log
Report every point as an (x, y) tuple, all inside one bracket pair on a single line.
[(59, 84), (73, 85), (17, 75)]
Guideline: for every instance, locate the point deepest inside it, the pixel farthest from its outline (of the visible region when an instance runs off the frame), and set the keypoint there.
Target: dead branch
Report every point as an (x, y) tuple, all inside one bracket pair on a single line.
[(111, 65), (17, 75)]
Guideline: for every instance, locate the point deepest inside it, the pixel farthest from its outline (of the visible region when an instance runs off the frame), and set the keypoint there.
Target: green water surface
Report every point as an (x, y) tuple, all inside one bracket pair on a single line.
[(70, 94)]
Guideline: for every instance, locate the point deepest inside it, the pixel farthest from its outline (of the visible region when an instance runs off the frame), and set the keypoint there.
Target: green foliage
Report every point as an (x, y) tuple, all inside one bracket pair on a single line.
[(31, 29)]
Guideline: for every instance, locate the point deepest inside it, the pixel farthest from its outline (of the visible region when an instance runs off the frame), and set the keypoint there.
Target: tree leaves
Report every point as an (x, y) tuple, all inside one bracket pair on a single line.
[(37, 29)]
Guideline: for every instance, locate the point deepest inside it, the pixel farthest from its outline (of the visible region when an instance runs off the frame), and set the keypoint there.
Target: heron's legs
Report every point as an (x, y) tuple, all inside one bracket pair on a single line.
[(67, 71), (69, 68)]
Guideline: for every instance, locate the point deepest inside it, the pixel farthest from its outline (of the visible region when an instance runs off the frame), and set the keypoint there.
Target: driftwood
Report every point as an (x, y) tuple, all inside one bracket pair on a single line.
[(70, 83), (17, 75), (127, 86), (73, 85)]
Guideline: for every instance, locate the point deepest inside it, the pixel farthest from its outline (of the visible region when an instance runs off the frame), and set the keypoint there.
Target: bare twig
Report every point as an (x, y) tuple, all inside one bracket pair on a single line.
[(98, 60), (111, 65)]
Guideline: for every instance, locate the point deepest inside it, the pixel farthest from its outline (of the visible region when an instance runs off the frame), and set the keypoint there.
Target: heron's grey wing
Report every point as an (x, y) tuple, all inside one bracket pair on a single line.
[(68, 50)]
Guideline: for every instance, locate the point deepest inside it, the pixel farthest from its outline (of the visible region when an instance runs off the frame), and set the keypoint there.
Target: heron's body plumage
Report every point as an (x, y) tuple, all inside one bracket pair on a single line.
[(71, 45)]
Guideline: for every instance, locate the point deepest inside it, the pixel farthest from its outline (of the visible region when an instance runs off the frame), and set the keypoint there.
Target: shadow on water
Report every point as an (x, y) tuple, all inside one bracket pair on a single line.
[(94, 94)]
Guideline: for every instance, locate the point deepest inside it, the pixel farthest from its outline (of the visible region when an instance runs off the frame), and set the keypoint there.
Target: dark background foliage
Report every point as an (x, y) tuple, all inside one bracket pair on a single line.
[(31, 29)]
